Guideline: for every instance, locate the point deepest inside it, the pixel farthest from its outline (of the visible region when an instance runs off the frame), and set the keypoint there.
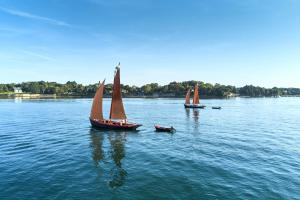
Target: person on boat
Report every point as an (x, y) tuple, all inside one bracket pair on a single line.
[(123, 121)]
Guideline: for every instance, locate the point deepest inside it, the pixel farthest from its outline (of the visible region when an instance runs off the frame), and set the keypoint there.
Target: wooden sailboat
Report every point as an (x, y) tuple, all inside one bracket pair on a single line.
[(117, 117), (195, 99)]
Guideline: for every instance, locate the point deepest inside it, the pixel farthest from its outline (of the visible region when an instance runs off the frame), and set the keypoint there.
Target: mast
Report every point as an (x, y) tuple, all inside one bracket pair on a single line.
[(96, 111), (196, 95), (187, 97), (117, 109)]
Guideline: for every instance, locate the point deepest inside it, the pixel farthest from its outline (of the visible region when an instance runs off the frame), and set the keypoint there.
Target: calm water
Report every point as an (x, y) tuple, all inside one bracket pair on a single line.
[(248, 150)]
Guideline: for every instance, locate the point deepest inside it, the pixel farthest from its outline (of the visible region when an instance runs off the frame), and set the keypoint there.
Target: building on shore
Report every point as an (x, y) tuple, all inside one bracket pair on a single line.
[(18, 90)]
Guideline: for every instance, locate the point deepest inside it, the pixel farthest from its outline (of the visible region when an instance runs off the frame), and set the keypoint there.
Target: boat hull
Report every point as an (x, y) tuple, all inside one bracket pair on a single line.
[(194, 106), (164, 129), (108, 125), (216, 107)]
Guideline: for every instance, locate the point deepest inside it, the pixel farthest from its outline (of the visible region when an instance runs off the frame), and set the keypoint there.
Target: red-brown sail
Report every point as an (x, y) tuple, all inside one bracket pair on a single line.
[(196, 95), (96, 112), (187, 97), (117, 109)]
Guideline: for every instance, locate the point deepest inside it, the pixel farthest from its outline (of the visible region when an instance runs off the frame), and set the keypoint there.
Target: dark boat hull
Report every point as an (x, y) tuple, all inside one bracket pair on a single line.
[(194, 106), (214, 107), (164, 129), (108, 125)]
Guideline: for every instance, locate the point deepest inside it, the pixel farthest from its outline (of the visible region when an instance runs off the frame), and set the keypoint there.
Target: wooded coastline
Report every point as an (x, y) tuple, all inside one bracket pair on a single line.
[(71, 89)]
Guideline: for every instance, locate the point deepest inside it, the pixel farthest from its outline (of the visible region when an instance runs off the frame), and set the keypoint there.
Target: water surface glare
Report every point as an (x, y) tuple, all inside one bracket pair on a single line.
[(248, 150)]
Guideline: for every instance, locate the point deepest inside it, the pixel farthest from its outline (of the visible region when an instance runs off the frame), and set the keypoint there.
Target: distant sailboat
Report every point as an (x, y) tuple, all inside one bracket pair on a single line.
[(195, 99), (117, 116)]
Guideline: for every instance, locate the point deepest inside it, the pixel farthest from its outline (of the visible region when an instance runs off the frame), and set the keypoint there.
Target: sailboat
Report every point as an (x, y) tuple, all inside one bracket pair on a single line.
[(195, 99), (117, 117)]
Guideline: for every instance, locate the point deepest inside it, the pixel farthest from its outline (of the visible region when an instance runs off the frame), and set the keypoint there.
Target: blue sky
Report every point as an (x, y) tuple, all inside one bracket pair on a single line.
[(234, 42)]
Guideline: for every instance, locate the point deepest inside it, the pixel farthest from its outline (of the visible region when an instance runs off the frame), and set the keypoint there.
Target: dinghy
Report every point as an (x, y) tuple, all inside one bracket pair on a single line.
[(216, 107), (164, 129)]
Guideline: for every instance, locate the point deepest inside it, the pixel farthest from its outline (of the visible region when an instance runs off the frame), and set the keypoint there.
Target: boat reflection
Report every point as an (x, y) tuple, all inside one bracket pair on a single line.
[(187, 113), (196, 115), (96, 144), (196, 118), (115, 154)]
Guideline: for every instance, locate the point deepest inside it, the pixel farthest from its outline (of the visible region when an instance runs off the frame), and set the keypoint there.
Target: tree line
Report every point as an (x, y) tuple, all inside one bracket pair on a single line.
[(173, 89)]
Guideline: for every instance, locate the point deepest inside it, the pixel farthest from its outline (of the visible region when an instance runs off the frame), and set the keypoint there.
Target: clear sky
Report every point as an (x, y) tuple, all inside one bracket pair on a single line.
[(234, 42)]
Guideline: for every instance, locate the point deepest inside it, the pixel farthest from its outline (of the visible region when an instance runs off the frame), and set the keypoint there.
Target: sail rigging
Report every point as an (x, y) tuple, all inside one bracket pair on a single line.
[(117, 109), (196, 95), (187, 97), (96, 111)]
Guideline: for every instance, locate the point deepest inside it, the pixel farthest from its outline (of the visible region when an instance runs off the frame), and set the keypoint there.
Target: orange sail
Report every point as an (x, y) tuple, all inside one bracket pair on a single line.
[(187, 97), (196, 95), (117, 109), (96, 112)]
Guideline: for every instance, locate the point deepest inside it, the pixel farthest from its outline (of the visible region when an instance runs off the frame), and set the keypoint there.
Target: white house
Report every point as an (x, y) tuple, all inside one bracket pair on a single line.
[(17, 90)]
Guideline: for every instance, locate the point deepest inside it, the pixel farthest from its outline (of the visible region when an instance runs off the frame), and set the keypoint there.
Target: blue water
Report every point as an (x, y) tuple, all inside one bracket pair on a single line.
[(248, 150)]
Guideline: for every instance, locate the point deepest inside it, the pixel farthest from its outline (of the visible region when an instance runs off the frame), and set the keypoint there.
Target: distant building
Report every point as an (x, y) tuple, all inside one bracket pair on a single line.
[(17, 90), (155, 95)]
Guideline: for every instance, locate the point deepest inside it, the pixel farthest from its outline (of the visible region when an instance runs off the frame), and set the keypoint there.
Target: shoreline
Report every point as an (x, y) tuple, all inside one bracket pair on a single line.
[(54, 96)]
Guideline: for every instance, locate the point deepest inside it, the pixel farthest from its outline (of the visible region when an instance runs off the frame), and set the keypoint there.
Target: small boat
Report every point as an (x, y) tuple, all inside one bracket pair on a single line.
[(117, 117), (164, 129), (194, 106), (195, 99), (216, 107)]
